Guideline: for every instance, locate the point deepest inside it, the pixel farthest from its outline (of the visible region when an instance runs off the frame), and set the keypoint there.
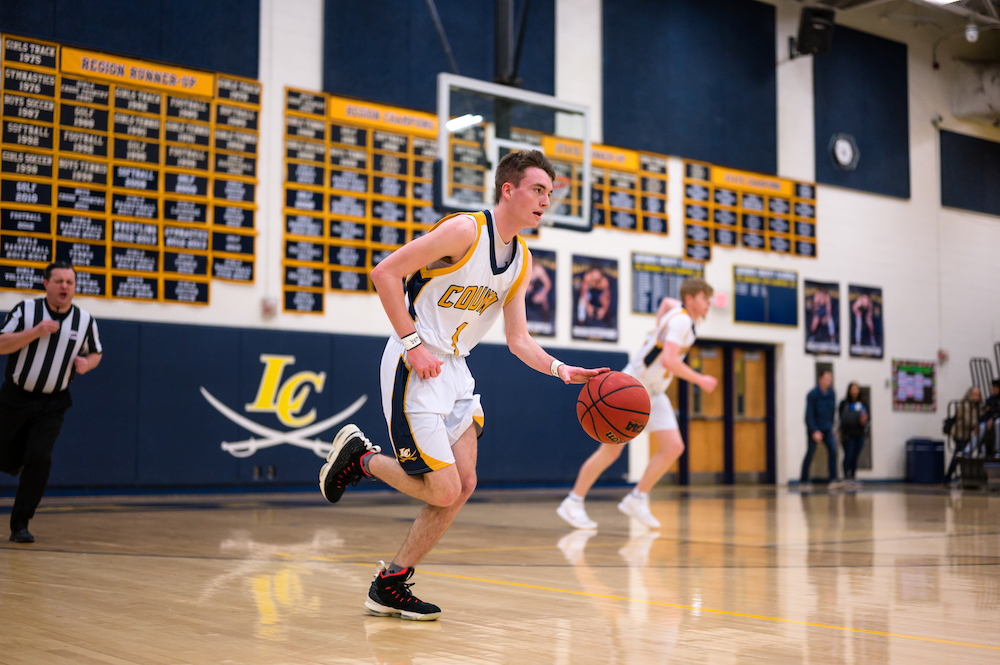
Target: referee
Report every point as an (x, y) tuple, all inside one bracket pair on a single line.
[(49, 340)]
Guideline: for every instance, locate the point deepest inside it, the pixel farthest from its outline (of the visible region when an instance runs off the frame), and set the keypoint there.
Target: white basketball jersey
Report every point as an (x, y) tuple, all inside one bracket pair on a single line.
[(454, 305), (675, 326)]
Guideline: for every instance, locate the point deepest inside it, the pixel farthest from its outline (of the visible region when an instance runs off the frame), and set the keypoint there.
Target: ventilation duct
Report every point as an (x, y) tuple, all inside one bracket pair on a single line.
[(975, 92)]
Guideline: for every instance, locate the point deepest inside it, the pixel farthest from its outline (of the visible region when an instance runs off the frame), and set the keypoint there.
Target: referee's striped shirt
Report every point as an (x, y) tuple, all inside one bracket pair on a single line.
[(46, 365)]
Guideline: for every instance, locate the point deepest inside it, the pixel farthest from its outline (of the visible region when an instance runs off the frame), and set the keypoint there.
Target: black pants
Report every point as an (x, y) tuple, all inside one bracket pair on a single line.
[(853, 443), (831, 456), (29, 425)]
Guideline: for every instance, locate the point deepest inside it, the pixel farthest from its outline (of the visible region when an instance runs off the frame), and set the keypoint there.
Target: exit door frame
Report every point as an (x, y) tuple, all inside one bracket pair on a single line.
[(729, 473)]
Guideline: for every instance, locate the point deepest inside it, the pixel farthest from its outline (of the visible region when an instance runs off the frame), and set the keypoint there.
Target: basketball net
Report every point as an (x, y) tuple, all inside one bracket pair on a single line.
[(560, 201)]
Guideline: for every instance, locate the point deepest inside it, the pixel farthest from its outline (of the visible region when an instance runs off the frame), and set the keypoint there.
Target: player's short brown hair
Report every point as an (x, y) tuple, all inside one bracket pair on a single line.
[(513, 165), (692, 286)]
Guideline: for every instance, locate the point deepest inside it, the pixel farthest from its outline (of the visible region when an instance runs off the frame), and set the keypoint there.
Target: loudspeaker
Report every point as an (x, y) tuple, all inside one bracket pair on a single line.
[(815, 31)]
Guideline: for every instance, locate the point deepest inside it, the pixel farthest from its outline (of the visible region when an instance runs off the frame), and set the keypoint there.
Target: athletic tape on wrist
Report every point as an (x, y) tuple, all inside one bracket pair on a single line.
[(554, 367), (411, 341)]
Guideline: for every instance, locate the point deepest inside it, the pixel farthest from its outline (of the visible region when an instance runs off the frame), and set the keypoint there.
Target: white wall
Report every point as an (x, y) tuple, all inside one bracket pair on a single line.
[(936, 267)]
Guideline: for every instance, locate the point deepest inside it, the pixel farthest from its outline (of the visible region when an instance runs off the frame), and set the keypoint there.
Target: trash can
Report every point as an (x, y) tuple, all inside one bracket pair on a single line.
[(924, 461)]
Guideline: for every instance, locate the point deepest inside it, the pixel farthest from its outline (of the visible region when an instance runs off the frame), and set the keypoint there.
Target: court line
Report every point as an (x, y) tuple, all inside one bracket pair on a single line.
[(722, 612)]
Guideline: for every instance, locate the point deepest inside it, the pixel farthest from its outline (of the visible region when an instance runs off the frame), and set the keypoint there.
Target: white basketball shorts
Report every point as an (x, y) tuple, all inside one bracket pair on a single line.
[(427, 416)]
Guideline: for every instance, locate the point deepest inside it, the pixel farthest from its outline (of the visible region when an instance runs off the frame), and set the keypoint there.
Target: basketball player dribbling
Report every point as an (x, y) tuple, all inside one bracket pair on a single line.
[(660, 358), (458, 277)]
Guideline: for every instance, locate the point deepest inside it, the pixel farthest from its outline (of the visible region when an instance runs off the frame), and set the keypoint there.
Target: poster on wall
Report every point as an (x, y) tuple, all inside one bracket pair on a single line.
[(822, 306), (865, 313), (595, 299), (763, 295), (913, 385), (540, 299)]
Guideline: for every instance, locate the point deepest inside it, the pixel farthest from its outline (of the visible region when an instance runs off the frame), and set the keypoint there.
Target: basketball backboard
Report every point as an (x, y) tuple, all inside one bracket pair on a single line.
[(480, 122)]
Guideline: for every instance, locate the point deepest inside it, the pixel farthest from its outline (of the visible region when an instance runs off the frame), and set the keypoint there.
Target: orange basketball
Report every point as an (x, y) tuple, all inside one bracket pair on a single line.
[(613, 407)]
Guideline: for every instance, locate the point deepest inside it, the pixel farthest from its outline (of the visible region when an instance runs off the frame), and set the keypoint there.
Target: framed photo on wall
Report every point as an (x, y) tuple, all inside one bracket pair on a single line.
[(865, 314), (822, 307), (540, 299), (595, 299), (914, 385)]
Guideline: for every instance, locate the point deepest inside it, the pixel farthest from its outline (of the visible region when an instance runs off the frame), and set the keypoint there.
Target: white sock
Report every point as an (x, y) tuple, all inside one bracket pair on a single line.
[(637, 494), (573, 496)]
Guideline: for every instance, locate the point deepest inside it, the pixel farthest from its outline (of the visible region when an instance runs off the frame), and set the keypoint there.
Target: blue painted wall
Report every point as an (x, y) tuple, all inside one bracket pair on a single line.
[(861, 88), (970, 173), (692, 78), (219, 35), (140, 419), (389, 51)]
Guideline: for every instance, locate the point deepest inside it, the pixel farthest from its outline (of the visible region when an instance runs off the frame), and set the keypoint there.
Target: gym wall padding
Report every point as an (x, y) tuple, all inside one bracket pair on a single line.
[(861, 88), (390, 52), (218, 35), (692, 78), (970, 173), (140, 419)]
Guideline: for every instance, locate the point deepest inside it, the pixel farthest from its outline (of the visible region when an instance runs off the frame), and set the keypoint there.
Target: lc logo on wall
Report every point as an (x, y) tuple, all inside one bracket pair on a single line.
[(286, 400)]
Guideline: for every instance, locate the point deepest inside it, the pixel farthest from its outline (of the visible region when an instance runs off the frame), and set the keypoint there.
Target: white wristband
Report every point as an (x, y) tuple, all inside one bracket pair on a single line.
[(554, 367), (411, 341)]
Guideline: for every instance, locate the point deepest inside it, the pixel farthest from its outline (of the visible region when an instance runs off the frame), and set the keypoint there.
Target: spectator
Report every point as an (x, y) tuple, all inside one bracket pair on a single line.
[(989, 419), (853, 421), (821, 404), (964, 429)]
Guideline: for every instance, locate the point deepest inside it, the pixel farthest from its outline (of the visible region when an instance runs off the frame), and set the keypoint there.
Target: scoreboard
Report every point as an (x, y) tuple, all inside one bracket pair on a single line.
[(140, 174), (358, 184), (727, 208)]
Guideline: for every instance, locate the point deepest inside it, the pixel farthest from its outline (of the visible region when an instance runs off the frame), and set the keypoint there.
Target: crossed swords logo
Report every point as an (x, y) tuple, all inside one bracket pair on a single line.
[(272, 437)]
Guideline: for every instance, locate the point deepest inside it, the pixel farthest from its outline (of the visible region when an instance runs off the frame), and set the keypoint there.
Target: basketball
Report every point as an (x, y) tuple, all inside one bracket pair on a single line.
[(613, 407)]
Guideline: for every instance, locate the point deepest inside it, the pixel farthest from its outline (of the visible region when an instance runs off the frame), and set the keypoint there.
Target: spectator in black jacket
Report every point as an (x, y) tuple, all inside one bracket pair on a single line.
[(853, 420), (821, 404)]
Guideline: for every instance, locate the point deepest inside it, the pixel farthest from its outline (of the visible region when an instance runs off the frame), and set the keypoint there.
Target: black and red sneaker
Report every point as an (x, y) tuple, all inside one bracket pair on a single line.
[(390, 596), (343, 463)]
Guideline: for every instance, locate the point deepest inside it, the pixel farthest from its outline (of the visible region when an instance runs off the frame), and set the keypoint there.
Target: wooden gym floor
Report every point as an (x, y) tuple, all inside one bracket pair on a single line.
[(890, 574)]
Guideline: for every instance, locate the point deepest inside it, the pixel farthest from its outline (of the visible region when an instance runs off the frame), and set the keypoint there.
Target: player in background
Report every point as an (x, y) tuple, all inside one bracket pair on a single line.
[(660, 358), (458, 277)]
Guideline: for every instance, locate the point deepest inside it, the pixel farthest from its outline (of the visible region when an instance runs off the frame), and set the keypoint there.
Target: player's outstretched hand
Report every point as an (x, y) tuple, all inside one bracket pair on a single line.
[(571, 374), (423, 362)]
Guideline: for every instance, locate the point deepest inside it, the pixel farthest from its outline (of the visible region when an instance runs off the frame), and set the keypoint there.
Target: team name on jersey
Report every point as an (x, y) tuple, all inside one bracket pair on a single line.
[(474, 298)]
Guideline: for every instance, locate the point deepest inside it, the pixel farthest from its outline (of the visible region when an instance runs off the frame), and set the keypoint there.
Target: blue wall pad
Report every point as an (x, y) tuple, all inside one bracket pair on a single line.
[(860, 88), (152, 414), (218, 35), (970, 173), (692, 78), (389, 51)]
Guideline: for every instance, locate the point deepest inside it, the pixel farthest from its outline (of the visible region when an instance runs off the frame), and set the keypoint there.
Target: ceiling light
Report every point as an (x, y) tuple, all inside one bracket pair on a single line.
[(942, 2), (971, 32), (468, 120)]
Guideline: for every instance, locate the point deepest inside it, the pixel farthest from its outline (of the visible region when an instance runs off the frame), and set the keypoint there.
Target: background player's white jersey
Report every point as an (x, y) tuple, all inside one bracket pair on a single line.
[(452, 306), (675, 326)]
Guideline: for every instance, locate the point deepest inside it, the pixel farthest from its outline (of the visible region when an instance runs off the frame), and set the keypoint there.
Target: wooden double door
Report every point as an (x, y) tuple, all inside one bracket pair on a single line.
[(729, 433)]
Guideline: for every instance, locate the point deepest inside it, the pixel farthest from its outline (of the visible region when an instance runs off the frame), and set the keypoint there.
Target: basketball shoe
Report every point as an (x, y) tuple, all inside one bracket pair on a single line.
[(574, 513), (390, 596), (343, 463), (638, 508)]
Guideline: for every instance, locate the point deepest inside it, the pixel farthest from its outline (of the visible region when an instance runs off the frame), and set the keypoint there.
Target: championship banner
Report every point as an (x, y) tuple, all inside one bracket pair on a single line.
[(865, 310), (822, 307), (142, 175), (540, 299), (595, 299)]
